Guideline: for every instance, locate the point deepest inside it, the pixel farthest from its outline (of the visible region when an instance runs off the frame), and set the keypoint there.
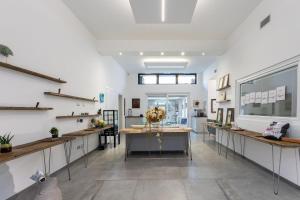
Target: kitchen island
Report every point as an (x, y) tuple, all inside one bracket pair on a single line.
[(157, 140)]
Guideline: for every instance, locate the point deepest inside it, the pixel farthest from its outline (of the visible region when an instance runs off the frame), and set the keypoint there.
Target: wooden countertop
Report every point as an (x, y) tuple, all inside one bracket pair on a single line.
[(258, 137), (154, 130), (86, 132), (32, 147)]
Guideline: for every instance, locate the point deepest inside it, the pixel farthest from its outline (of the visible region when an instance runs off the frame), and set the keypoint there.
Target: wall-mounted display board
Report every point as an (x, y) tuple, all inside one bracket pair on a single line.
[(270, 93)]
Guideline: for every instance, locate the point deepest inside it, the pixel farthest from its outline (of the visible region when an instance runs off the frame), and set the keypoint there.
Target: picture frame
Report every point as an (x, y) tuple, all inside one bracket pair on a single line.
[(220, 84), (225, 81), (213, 105), (135, 103), (220, 116), (222, 96), (196, 104), (229, 116)]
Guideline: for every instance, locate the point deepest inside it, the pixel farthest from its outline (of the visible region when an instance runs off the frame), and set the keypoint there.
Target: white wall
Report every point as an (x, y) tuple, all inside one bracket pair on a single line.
[(46, 37), (251, 50), (134, 90)]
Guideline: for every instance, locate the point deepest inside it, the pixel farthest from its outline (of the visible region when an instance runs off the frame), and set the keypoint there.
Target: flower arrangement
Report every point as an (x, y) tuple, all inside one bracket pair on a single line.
[(99, 123), (5, 142), (155, 114)]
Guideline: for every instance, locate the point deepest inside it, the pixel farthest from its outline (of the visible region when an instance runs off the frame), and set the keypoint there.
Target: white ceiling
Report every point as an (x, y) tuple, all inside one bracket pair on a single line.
[(118, 29)]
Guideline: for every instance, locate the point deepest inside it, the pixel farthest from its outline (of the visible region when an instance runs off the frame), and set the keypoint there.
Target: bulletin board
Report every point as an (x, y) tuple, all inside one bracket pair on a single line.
[(272, 94)]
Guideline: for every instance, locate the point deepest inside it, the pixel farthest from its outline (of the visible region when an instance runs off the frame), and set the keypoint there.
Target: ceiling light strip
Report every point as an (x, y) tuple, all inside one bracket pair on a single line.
[(163, 10)]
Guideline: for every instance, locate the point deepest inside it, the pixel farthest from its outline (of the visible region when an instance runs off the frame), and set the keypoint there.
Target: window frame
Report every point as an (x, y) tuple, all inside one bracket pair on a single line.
[(140, 75)]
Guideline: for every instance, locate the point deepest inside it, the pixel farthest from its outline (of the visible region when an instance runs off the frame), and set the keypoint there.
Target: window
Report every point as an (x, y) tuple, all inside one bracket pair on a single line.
[(167, 79), (186, 79), (172, 79), (270, 94), (148, 79)]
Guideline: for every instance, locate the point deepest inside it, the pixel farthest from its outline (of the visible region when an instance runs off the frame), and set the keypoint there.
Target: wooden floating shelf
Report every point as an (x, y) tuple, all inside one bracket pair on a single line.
[(25, 108), (32, 147), (69, 96), (26, 71), (224, 88), (225, 101), (75, 116)]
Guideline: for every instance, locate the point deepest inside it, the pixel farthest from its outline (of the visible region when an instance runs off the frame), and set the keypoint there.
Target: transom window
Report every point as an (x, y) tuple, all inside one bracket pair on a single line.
[(163, 79)]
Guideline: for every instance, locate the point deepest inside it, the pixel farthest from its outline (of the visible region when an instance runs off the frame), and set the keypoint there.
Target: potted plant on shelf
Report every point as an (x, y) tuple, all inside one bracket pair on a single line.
[(99, 123), (54, 132), (5, 142), (5, 51)]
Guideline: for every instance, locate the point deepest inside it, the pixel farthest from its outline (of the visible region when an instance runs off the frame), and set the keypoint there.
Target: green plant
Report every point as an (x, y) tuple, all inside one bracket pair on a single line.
[(6, 138), (5, 51), (54, 132)]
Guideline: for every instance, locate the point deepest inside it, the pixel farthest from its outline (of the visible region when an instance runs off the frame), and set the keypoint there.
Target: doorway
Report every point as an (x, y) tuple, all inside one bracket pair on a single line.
[(120, 108), (176, 106)]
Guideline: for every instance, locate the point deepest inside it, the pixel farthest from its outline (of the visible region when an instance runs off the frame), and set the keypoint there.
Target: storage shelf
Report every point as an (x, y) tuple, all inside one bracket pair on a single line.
[(25, 108), (69, 96), (26, 71), (224, 88), (75, 116)]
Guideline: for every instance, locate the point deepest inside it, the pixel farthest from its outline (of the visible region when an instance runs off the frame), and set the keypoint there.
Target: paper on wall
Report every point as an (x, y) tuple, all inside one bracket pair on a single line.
[(247, 99), (280, 96), (252, 97), (272, 96), (264, 97), (258, 97), (243, 100)]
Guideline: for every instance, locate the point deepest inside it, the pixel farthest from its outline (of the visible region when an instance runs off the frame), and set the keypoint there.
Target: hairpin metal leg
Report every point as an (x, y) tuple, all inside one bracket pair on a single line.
[(233, 142), (190, 145), (45, 165), (276, 181), (49, 161), (126, 146), (84, 152), (221, 142), (68, 156), (227, 145), (244, 146)]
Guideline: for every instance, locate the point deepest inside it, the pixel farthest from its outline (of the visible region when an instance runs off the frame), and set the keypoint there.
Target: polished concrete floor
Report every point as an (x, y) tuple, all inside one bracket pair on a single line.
[(208, 177)]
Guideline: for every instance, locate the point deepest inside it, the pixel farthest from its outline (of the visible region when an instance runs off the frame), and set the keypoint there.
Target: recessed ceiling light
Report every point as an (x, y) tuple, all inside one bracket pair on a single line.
[(120, 53), (162, 53), (163, 10), (183, 53), (203, 53), (141, 53)]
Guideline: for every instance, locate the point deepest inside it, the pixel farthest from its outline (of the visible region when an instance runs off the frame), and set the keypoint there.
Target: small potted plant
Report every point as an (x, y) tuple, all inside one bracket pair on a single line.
[(54, 132), (100, 123), (5, 142)]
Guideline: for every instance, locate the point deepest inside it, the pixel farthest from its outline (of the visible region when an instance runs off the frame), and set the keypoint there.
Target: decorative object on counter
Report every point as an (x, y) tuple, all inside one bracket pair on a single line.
[(54, 132), (5, 142), (59, 90), (276, 130), (213, 105), (136, 103), (229, 117), (99, 123), (129, 112), (5, 51), (99, 112), (72, 113), (101, 97), (219, 120), (156, 115)]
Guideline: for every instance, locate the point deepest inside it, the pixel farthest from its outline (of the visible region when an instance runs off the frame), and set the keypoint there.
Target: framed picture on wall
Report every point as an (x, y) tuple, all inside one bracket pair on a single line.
[(220, 84), (229, 116), (222, 96), (225, 81), (220, 116), (213, 105), (136, 103)]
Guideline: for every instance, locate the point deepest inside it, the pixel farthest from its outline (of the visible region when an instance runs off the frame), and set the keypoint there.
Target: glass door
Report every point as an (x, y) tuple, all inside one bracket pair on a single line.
[(175, 105)]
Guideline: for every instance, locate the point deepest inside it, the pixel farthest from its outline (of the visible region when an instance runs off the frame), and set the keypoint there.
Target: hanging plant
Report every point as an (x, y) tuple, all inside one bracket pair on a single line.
[(5, 51)]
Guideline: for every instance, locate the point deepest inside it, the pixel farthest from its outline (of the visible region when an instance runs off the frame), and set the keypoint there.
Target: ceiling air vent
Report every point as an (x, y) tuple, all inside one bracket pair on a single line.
[(265, 21)]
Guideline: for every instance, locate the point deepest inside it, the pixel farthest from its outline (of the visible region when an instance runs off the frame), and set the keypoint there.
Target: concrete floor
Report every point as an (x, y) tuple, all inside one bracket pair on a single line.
[(208, 177)]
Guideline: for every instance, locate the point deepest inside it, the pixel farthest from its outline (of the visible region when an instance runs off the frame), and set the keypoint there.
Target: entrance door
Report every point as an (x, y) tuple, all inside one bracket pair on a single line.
[(175, 105)]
